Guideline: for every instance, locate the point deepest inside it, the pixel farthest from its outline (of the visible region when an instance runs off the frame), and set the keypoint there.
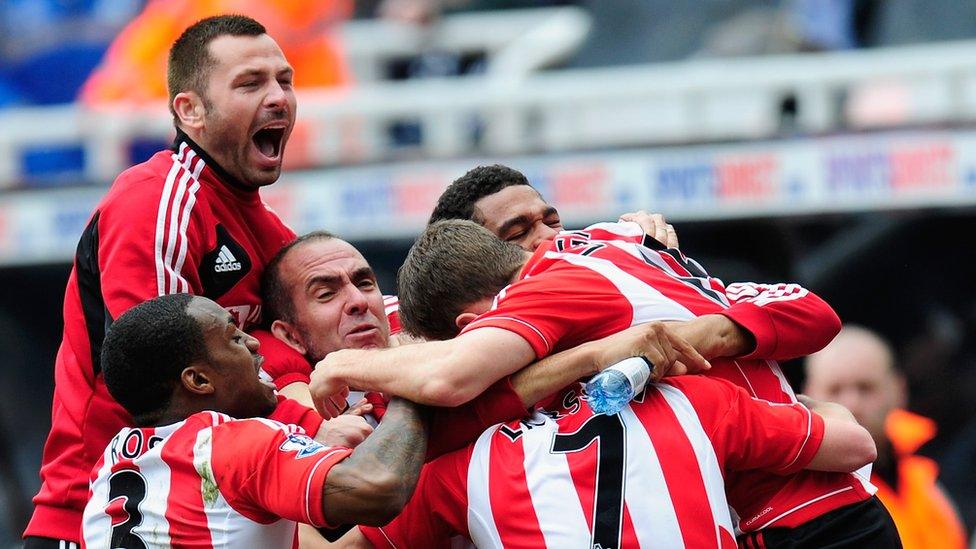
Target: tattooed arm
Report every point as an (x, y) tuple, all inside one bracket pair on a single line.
[(376, 481)]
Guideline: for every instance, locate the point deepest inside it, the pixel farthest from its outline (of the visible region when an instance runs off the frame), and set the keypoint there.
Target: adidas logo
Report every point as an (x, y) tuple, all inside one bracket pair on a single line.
[(226, 261)]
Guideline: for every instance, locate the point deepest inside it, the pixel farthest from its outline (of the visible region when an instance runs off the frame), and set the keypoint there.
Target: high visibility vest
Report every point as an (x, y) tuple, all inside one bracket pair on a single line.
[(923, 514)]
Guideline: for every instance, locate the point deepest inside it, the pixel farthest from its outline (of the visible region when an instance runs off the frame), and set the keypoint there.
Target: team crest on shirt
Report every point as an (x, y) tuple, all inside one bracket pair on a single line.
[(302, 445)]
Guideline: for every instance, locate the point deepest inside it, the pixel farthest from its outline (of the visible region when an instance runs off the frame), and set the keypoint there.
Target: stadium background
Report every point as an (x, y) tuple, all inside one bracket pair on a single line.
[(827, 142)]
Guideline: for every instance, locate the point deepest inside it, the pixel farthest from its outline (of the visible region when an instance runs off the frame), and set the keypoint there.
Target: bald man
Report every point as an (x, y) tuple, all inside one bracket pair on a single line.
[(857, 370)]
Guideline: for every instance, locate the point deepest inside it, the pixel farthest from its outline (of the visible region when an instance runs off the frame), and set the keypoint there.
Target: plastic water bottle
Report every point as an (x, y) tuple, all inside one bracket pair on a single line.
[(610, 390)]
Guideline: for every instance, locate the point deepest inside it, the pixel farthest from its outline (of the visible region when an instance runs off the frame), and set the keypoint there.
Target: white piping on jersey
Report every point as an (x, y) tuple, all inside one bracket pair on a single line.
[(187, 208), (387, 538), (802, 505), (742, 372), (481, 529), (784, 385), (169, 230), (712, 476), (806, 439), (164, 199), (176, 280), (172, 226)]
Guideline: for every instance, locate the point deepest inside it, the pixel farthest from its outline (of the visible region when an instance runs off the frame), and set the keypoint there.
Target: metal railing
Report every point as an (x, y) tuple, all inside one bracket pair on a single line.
[(519, 111)]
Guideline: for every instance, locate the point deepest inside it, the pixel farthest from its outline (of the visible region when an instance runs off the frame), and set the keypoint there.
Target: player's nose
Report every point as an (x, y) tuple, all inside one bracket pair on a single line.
[(541, 234), (252, 343), (356, 302)]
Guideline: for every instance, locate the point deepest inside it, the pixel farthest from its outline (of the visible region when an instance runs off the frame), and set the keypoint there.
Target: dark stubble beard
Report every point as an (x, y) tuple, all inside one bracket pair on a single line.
[(313, 354), (224, 145)]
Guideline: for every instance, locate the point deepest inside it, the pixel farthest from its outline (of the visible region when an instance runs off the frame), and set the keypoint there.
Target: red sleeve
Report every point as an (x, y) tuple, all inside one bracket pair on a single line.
[(436, 512), (145, 249), (266, 470), (787, 320), (560, 308), (454, 428), (296, 413), (284, 364), (749, 433)]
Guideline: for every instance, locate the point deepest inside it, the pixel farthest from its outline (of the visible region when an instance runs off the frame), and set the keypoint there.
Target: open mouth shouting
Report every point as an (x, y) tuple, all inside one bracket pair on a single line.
[(269, 142)]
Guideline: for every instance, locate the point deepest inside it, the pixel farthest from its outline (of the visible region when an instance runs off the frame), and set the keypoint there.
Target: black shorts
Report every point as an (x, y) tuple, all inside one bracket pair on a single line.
[(863, 525)]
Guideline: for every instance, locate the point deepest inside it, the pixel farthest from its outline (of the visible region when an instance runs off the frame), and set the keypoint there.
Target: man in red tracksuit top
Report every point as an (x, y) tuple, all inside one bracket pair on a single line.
[(187, 220)]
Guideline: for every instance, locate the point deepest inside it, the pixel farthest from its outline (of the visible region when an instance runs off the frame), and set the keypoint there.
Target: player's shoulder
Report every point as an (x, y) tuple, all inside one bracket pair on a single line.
[(227, 423), (142, 188), (263, 438), (238, 438)]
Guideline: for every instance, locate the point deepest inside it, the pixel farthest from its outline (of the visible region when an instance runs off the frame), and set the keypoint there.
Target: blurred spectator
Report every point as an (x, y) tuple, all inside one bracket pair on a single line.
[(825, 24), (857, 370), (134, 67), (48, 47)]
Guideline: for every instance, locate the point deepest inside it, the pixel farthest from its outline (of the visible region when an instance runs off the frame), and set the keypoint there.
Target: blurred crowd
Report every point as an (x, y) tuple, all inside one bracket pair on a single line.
[(57, 51)]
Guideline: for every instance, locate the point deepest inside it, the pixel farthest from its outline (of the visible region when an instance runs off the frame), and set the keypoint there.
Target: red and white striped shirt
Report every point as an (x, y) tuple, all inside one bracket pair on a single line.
[(651, 476), (208, 481), (589, 284), (391, 306)]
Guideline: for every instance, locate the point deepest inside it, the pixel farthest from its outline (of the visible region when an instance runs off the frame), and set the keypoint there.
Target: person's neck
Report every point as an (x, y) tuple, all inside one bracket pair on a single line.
[(518, 272), (223, 175), (180, 409), (886, 465)]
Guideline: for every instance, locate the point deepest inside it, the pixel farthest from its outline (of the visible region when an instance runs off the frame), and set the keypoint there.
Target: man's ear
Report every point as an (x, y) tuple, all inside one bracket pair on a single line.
[(290, 335), (189, 109), (464, 319), (198, 380)]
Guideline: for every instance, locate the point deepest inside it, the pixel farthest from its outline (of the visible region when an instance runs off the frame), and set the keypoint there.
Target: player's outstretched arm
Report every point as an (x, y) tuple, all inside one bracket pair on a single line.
[(785, 320), (373, 484), (437, 373), (846, 446), (659, 342), (714, 336)]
